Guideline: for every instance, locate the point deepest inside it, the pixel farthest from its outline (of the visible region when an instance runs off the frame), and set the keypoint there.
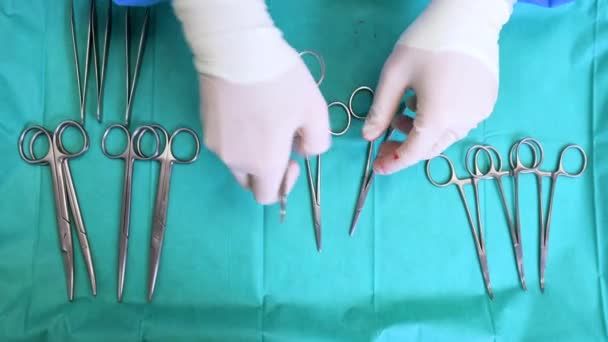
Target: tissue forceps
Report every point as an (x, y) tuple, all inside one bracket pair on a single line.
[(478, 235), (129, 155), (495, 171), (166, 158), (131, 80), (518, 167), (66, 200), (315, 187)]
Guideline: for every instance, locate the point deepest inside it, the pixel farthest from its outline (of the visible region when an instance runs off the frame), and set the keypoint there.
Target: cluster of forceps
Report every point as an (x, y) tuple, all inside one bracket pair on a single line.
[(58, 155), (368, 174), (475, 157)]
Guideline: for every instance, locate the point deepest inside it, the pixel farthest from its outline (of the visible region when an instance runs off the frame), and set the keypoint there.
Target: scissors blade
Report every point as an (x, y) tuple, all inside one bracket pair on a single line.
[(63, 224), (317, 223), (483, 261), (543, 263), (365, 186), (520, 265), (124, 225), (80, 228), (159, 225)]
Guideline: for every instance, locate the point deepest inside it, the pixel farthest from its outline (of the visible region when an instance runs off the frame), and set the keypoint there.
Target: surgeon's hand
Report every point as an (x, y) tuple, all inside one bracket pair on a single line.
[(449, 57), (258, 99)]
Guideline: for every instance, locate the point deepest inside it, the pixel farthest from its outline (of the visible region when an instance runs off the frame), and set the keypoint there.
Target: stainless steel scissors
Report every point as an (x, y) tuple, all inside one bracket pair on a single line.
[(167, 158), (518, 167), (100, 75), (130, 154), (66, 201), (315, 187), (494, 171), (368, 174), (478, 234), (131, 81)]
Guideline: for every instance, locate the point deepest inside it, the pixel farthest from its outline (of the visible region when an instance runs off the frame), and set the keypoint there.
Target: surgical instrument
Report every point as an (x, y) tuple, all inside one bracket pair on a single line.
[(283, 188), (129, 156), (131, 80), (315, 187), (66, 200), (368, 173), (518, 167), (494, 171), (82, 83), (478, 234), (166, 158), (100, 75)]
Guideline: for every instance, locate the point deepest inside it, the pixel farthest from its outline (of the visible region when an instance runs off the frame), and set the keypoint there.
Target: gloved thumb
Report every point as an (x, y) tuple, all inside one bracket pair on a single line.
[(394, 81)]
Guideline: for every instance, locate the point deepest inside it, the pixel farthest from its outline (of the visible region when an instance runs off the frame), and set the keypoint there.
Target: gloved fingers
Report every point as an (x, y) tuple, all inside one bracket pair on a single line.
[(414, 149), (313, 136), (290, 177), (266, 186), (403, 123), (391, 87), (242, 178)]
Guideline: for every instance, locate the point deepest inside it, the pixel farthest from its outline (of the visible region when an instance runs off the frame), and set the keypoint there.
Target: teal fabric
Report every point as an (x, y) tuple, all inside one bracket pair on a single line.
[(231, 272)]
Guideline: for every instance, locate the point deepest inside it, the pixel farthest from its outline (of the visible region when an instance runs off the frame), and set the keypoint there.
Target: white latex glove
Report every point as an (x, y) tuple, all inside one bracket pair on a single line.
[(257, 94), (449, 57)]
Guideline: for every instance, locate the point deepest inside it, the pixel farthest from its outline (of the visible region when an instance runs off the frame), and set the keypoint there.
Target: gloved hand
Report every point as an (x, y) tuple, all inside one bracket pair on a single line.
[(449, 57), (258, 97)]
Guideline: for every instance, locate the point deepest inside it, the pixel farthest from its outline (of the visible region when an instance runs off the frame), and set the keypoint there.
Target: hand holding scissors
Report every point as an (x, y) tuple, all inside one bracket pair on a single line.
[(130, 154), (166, 158), (66, 201)]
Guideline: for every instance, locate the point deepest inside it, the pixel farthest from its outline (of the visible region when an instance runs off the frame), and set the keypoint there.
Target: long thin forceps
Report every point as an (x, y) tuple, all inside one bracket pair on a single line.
[(315, 187), (131, 81), (495, 171), (368, 174), (167, 158), (100, 74), (478, 234), (82, 83), (518, 167), (66, 200), (129, 155)]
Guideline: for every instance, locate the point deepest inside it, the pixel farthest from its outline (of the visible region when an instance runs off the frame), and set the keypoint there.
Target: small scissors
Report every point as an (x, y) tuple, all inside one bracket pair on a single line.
[(130, 154), (167, 158), (518, 168), (478, 235), (66, 201), (315, 190), (494, 171)]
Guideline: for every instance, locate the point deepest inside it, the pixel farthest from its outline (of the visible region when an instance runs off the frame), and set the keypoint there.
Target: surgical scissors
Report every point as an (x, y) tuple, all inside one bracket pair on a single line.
[(131, 80), (478, 234), (129, 155), (368, 173), (495, 171), (315, 187), (518, 167), (166, 158), (66, 201)]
